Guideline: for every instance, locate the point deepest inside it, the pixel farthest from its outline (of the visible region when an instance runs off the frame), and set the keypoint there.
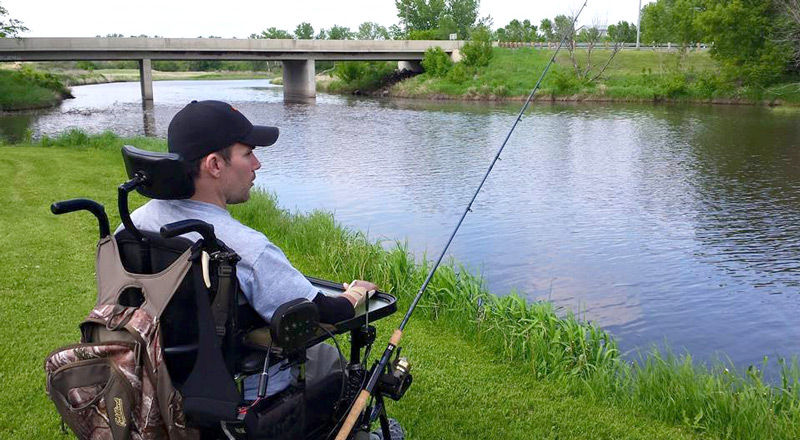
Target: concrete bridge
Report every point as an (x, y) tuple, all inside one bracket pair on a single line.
[(297, 56)]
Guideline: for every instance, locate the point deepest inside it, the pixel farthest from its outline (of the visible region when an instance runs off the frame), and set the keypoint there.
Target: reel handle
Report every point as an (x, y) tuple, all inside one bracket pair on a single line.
[(353, 416), (363, 396)]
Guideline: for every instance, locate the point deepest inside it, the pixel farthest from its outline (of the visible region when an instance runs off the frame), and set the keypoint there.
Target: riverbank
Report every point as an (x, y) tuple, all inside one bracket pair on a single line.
[(632, 76), (101, 76), (501, 367), (29, 89)]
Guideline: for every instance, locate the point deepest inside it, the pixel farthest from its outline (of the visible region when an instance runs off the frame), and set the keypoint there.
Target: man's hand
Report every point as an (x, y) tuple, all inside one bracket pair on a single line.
[(358, 291)]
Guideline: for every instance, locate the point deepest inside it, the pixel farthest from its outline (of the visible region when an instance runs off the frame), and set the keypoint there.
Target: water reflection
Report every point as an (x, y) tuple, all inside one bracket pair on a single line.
[(15, 127), (655, 221), (148, 118)]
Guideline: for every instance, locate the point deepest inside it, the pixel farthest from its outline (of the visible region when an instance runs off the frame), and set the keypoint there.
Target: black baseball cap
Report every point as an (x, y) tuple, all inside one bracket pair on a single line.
[(203, 127)]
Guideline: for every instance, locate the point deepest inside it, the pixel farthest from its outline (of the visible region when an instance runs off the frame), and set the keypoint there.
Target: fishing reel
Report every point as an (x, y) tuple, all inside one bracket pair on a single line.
[(395, 382)]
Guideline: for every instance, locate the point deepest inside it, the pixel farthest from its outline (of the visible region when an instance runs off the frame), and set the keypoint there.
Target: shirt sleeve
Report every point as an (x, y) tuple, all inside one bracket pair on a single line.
[(274, 281)]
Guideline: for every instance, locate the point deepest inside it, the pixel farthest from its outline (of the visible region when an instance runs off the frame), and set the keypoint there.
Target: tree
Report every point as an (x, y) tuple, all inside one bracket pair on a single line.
[(447, 26), (9, 27), (622, 32), (464, 13), (397, 33), (478, 51), (339, 33), (419, 14), (589, 35), (562, 25), (672, 21), (304, 31), (546, 27), (371, 31), (746, 36), (790, 34), (515, 30), (273, 33), (587, 71), (443, 16)]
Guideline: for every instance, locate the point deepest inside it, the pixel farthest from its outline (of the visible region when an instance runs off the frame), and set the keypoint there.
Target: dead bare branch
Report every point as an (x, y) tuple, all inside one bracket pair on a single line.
[(614, 50)]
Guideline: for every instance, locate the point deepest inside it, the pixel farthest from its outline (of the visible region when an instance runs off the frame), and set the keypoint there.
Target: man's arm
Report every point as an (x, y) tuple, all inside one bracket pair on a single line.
[(333, 309)]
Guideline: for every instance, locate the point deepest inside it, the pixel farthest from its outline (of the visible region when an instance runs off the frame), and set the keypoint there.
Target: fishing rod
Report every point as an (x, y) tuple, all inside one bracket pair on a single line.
[(394, 341)]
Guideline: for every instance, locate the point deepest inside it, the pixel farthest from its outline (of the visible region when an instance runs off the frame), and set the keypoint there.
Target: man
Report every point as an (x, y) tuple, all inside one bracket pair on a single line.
[(217, 142)]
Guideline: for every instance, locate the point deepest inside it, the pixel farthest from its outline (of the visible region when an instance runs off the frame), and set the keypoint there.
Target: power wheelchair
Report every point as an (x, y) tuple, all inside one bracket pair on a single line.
[(212, 340)]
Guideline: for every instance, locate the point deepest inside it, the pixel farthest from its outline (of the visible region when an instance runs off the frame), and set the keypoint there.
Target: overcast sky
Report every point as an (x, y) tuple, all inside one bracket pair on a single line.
[(240, 18)]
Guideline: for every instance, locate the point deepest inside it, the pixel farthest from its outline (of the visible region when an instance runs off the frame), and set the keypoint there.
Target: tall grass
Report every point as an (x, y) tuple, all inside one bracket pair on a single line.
[(631, 76), (715, 400)]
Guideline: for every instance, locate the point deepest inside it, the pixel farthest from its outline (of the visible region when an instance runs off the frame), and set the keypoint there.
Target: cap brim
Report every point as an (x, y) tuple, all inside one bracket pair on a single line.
[(261, 136)]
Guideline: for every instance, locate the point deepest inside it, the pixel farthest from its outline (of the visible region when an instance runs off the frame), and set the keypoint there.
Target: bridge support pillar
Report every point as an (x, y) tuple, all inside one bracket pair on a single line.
[(411, 66), (146, 79), (299, 83)]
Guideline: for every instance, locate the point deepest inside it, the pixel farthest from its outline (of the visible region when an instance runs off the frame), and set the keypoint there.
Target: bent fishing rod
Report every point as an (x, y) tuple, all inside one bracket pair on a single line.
[(361, 402)]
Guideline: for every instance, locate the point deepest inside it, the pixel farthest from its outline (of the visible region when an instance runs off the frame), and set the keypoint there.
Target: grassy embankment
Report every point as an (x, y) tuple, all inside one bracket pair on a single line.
[(485, 367), (27, 89), (632, 76), (79, 77), (22, 90)]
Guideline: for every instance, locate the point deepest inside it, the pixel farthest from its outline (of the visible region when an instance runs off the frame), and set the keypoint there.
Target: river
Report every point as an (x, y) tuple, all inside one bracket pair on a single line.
[(657, 222)]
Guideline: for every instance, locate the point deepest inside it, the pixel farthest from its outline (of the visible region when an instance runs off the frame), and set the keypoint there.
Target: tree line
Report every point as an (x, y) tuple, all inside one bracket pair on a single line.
[(754, 41)]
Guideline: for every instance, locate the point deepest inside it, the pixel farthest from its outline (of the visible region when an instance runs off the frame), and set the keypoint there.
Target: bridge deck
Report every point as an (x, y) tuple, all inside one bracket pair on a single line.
[(61, 49)]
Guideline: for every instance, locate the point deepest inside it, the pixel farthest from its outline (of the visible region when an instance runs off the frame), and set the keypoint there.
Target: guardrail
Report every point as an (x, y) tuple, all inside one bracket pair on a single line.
[(602, 45)]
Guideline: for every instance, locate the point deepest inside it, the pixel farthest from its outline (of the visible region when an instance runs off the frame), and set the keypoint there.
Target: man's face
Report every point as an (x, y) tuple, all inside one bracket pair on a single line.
[(239, 174)]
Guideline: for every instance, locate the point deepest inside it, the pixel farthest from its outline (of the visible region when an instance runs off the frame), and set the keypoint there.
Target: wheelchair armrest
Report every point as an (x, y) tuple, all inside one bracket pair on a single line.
[(260, 339)]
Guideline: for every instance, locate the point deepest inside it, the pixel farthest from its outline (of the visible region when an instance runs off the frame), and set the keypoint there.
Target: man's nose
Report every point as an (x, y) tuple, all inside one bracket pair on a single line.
[(257, 163)]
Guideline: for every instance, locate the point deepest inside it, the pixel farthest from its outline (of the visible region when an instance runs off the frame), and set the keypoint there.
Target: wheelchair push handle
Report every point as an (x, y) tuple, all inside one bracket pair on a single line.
[(66, 206), (185, 226)]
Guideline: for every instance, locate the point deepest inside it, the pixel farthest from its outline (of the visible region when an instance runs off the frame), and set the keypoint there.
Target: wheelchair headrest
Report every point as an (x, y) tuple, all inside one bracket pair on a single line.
[(166, 175)]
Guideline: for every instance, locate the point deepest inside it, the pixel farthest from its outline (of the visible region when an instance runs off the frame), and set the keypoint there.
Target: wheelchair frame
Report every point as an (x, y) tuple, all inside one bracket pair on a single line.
[(165, 176)]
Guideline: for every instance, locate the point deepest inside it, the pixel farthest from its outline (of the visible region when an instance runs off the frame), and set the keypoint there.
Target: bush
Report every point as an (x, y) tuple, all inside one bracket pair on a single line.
[(437, 62), (478, 51), (564, 83), (363, 75), (500, 91), (707, 85), (170, 66), (349, 71), (673, 85), (428, 34), (86, 65), (460, 73), (45, 80)]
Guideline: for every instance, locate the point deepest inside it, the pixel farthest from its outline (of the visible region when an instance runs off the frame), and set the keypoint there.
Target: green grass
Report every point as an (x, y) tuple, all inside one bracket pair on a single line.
[(78, 77), (19, 93), (484, 367), (632, 75)]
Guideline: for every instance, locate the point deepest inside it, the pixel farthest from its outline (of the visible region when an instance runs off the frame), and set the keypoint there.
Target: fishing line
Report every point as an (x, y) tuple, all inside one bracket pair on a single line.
[(394, 341)]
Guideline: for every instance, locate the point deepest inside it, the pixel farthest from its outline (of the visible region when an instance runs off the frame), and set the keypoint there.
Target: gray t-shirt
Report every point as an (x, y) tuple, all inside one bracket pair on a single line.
[(265, 275)]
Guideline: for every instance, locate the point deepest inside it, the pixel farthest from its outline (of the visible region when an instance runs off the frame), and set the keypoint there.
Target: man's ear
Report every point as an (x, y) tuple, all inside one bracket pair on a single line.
[(213, 164)]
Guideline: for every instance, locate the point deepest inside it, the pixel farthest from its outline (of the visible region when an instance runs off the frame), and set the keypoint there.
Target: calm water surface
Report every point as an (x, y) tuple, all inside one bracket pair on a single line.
[(657, 222)]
